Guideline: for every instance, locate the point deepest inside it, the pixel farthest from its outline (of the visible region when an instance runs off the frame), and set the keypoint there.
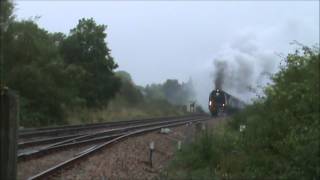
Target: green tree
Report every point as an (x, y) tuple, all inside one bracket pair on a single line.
[(281, 135), (34, 68), (6, 18), (280, 138), (154, 91), (172, 91), (179, 94), (85, 48), (128, 89)]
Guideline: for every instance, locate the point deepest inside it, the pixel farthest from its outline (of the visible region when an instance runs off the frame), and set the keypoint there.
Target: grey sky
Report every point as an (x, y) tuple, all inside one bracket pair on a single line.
[(158, 40)]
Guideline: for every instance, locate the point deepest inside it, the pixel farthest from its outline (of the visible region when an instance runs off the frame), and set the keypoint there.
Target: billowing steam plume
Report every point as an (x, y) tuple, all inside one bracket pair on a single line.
[(242, 73), (241, 69), (244, 68), (219, 74)]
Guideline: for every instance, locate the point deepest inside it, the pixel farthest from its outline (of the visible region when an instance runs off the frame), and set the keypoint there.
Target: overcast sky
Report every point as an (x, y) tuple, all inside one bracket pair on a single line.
[(158, 40)]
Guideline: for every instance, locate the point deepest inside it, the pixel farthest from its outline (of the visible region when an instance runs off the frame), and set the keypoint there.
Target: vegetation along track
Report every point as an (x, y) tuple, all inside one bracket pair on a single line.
[(89, 151)]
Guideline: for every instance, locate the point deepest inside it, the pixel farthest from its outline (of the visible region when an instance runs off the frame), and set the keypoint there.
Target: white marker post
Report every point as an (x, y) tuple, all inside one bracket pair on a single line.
[(203, 126), (242, 128), (179, 145), (151, 148)]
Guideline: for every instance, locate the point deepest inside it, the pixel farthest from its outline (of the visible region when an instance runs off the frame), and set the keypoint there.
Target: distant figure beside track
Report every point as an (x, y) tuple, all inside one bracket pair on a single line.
[(192, 106)]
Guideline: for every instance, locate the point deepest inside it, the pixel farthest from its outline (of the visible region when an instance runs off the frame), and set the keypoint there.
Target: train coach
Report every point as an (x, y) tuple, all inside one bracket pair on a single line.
[(221, 102)]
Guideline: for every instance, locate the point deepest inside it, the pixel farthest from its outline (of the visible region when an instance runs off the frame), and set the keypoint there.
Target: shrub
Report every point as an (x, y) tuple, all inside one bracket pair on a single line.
[(281, 138)]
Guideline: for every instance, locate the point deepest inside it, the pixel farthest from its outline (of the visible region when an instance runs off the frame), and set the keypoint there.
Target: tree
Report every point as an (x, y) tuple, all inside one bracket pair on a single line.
[(53, 72), (176, 93), (6, 18), (85, 48), (281, 135), (154, 91), (129, 91), (282, 128), (34, 68), (171, 91)]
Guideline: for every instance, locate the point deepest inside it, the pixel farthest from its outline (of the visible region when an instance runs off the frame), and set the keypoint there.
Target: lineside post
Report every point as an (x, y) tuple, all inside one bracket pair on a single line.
[(151, 148), (8, 134)]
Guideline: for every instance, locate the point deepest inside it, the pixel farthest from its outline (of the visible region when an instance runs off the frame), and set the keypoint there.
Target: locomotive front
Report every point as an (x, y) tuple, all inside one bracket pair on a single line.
[(217, 102)]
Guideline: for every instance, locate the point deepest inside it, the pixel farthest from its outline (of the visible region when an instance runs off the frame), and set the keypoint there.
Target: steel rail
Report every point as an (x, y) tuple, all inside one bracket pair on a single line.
[(76, 128), (89, 124), (86, 139), (49, 140), (53, 170), (25, 144)]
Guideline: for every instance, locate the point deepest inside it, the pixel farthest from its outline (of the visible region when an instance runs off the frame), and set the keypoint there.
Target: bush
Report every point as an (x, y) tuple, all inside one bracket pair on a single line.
[(281, 138), (208, 157)]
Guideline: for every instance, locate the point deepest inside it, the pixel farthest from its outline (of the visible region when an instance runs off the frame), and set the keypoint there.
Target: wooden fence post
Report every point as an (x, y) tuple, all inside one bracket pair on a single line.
[(8, 134)]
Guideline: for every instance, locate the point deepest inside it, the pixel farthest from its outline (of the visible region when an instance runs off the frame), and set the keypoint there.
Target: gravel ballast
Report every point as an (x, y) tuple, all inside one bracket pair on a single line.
[(129, 159)]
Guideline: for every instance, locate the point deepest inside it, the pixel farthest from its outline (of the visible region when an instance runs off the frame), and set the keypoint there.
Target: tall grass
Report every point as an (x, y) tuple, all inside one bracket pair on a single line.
[(120, 109), (213, 155)]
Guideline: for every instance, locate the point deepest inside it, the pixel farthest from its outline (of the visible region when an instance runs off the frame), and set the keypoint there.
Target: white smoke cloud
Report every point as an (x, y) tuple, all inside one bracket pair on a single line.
[(245, 70), (242, 68)]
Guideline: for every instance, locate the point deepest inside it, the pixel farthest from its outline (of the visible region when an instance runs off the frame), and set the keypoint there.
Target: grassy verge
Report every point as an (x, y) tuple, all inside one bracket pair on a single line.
[(213, 155), (119, 110)]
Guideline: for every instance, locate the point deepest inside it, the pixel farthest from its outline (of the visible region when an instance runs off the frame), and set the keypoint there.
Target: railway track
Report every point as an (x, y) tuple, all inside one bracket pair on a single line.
[(53, 131), (109, 128), (95, 137), (103, 139)]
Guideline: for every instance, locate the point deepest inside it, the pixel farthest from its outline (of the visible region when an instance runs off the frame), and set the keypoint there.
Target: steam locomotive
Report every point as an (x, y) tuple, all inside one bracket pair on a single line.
[(221, 102)]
